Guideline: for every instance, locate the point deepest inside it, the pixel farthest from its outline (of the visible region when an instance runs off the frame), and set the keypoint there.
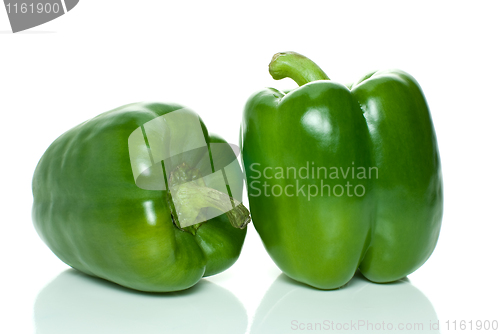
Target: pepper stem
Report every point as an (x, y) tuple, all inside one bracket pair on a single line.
[(296, 67), (189, 198)]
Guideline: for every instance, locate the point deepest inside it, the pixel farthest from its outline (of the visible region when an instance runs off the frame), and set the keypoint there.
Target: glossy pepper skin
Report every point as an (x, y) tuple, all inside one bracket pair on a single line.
[(382, 121), (90, 212)]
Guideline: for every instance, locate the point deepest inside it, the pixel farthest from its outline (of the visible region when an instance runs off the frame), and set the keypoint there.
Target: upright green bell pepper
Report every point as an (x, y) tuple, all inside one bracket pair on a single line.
[(104, 202), (342, 177)]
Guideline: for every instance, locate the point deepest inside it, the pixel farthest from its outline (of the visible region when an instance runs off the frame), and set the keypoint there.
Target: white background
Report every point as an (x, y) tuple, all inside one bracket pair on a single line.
[(210, 56)]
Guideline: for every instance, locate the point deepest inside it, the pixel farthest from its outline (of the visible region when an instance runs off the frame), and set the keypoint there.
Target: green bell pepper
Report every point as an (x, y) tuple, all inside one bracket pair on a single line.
[(341, 178), (126, 196)]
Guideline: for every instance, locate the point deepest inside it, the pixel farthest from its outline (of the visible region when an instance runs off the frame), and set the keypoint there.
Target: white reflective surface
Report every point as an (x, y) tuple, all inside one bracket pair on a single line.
[(359, 306), (77, 303)]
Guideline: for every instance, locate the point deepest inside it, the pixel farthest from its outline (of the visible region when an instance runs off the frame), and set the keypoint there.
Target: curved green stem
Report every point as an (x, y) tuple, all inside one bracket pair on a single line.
[(296, 67)]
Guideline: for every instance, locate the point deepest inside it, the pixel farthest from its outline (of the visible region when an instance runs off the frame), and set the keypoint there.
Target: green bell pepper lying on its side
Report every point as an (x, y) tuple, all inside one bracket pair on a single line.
[(141, 196), (341, 178)]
